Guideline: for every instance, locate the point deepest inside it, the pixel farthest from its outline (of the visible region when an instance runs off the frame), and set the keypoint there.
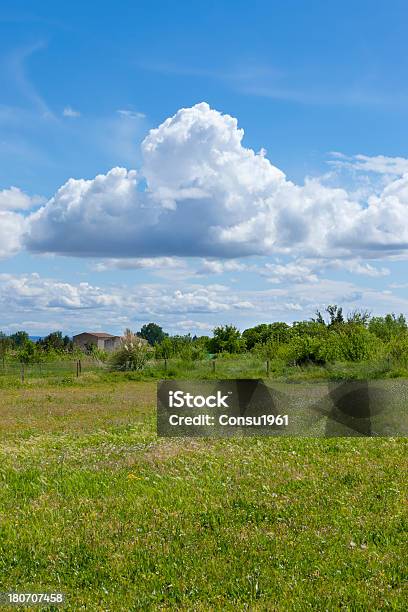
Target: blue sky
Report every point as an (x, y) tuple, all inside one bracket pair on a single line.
[(204, 231)]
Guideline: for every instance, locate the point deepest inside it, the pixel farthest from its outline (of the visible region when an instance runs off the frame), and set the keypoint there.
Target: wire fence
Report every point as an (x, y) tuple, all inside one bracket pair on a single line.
[(58, 369), (234, 367)]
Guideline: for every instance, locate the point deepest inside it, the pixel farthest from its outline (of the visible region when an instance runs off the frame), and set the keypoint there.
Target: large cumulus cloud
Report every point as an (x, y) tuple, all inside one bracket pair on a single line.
[(12, 223), (200, 192), (12, 228)]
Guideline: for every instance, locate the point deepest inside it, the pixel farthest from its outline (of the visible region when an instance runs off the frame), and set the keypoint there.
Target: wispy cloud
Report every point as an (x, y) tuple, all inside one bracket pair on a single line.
[(378, 164), (131, 114), (271, 82), (16, 63), (70, 112), (246, 71)]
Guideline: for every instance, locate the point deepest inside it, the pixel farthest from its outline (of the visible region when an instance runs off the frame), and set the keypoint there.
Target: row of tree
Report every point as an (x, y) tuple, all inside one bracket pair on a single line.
[(329, 336)]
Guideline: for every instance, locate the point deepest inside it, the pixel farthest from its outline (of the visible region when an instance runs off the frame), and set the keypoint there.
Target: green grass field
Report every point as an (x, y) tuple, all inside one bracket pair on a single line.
[(93, 504)]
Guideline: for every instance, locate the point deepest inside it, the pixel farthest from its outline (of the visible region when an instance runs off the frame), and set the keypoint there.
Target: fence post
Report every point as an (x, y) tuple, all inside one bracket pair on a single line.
[(267, 367), (213, 365), (165, 364), (22, 372), (80, 366), (77, 368)]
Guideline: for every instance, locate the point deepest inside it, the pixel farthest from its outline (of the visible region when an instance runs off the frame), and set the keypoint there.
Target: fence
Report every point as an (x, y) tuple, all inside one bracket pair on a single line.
[(58, 369), (234, 367)]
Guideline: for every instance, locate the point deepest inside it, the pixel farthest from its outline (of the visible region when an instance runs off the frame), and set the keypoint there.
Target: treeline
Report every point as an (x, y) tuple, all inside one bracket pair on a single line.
[(20, 347), (328, 337)]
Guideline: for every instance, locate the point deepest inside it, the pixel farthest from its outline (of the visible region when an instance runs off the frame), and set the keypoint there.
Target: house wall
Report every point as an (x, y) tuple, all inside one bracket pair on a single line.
[(111, 344), (104, 344), (82, 340)]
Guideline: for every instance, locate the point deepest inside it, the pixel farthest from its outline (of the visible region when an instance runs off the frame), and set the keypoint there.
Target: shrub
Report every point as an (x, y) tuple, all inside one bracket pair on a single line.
[(29, 353), (331, 348), (268, 350), (358, 344), (388, 327), (132, 354), (398, 349), (304, 349), (265, 333), (227, 339), (351, 343)]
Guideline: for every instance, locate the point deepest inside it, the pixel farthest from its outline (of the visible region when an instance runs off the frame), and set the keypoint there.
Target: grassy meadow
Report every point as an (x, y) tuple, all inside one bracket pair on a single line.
[(93, 504)]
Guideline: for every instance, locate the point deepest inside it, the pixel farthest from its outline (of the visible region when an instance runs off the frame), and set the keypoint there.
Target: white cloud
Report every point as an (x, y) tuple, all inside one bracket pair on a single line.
[(379, 164), (294, 271), (12, 227), (52, 304), (70, 112), (216, 266), (188, 325), (200, 179), (140, 263), (357, 267), (13, 224), (131, 114), (15, 199), (201, 193), (31, 292)]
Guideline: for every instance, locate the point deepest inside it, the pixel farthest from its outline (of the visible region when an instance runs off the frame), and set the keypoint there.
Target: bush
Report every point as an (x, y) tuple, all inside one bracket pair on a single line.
[(227, 339), (350, 343), (266, 333), (398, 349), (304, 349), (331, 348), (132, 355), (269, 350), (358, 344)]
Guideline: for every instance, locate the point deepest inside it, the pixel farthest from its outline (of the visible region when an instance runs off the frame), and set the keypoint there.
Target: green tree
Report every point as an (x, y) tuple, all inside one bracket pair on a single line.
[(5, 345), (153, 333), (309, 328), (227, 339), (19, 339), (28, 353), (359, 317), (164, 349), (55, 341), (266, 332), (335, 316), (388, 327)]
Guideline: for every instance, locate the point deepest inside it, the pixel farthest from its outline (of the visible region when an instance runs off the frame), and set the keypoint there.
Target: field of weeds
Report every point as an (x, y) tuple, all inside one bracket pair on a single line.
[(93, 504)]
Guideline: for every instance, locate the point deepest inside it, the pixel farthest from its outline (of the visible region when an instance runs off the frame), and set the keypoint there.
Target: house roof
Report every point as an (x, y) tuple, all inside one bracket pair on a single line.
[(98, 335)]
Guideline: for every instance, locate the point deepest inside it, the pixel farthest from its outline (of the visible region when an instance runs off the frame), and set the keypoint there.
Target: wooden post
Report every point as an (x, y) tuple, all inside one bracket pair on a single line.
[(77, 368), (213, 365), (22, 373), (267, 367), (80, 366), (165, 364)]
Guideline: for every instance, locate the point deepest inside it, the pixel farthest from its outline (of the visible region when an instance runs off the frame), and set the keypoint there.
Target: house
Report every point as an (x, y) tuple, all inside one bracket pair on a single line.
[(100, 340)]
